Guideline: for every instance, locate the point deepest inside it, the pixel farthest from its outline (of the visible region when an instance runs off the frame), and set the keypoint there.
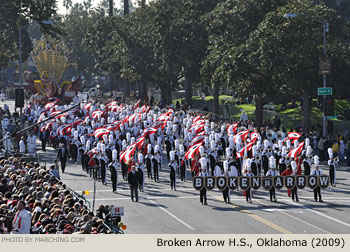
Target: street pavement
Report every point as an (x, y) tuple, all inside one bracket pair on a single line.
[(163, 211)]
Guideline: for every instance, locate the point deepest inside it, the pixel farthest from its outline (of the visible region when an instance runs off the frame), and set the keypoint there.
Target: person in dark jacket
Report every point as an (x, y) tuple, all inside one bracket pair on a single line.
[(63, 156), (133, 183)]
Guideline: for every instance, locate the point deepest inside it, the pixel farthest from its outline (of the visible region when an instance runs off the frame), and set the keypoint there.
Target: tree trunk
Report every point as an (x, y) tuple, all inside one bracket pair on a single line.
[(144, 90), (259, 111), (169, 98), (166, 94), (126, 89), (216, 98), (110, 8), (306, 112), (112, 85), (126, 8), (188, 88)]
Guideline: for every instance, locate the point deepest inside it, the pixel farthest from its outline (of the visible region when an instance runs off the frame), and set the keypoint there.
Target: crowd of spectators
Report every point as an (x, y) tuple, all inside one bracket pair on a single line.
[(34, 200)]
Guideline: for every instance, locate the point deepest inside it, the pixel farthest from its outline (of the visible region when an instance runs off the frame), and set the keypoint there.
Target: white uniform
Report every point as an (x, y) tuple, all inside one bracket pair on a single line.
[(31, 140), (217, 171), (8, 143), (233, 172), (5, 122), (22, 222), (22, 147)]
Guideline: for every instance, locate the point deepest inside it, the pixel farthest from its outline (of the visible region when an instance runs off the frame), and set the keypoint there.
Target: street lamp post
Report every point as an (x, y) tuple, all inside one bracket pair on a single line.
[(325, 30), (20, 72), (48, 22)]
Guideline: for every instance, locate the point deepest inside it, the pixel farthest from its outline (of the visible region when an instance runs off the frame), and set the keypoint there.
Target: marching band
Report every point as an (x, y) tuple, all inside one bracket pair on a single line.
[(113, 138)]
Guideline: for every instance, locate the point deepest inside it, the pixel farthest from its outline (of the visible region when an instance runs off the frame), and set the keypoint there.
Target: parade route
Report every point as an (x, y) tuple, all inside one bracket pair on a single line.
[(162, 210)]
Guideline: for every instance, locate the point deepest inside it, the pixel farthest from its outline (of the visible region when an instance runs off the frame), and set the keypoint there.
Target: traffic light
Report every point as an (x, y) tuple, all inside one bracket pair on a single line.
[(19, 98), (329, 107)]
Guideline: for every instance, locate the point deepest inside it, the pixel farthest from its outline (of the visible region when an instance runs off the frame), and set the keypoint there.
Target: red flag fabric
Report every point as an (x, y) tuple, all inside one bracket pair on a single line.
[(196, 118), (158, 124), (128, 153), (139, 142), (296, 151), (137, 104), (254, 136), (92, 152), (110, 126), (232, 128), (149, 131), (64, 129), (196, 140), (96, 114), (87, 106), (247, 148), (49, 105), (242, 134), (126, 120), (293, 136), (100, 132), (192, 151), (197, 128)]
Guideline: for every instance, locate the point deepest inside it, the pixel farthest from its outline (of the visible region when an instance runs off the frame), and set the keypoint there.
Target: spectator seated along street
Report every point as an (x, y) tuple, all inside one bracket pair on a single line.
[(33, 200)]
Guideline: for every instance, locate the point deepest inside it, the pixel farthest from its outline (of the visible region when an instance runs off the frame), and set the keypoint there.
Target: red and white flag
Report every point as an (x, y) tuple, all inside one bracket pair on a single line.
[(296, 151), (112, 103), (148, 131), (163, 118), (254, 136), (64, 129), (199, 122), (126, 120), (114, 108), (110, 126), (232, 128), (49, 105), (192, 151), (242, 134), (197, 128), (47, 125), (55, 113), (92, 152), (144, 109), (128, 153), (100, 132), (158, 124), (197, 139), (137, 104), (293, 136), (196, 118), (96, 114), (139, 142), (87, 106), (246, 148)]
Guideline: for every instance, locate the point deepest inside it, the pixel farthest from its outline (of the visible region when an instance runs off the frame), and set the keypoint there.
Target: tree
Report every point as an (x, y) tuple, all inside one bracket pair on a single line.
[(229, 27), (17, 14), (292, 49), (76, 25)]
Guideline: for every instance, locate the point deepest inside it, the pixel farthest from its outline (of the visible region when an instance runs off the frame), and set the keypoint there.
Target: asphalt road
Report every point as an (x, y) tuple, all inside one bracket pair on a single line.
[(163, 211)]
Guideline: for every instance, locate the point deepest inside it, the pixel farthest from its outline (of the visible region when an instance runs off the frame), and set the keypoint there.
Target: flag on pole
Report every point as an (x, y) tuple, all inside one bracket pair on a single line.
[(296, 151)]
